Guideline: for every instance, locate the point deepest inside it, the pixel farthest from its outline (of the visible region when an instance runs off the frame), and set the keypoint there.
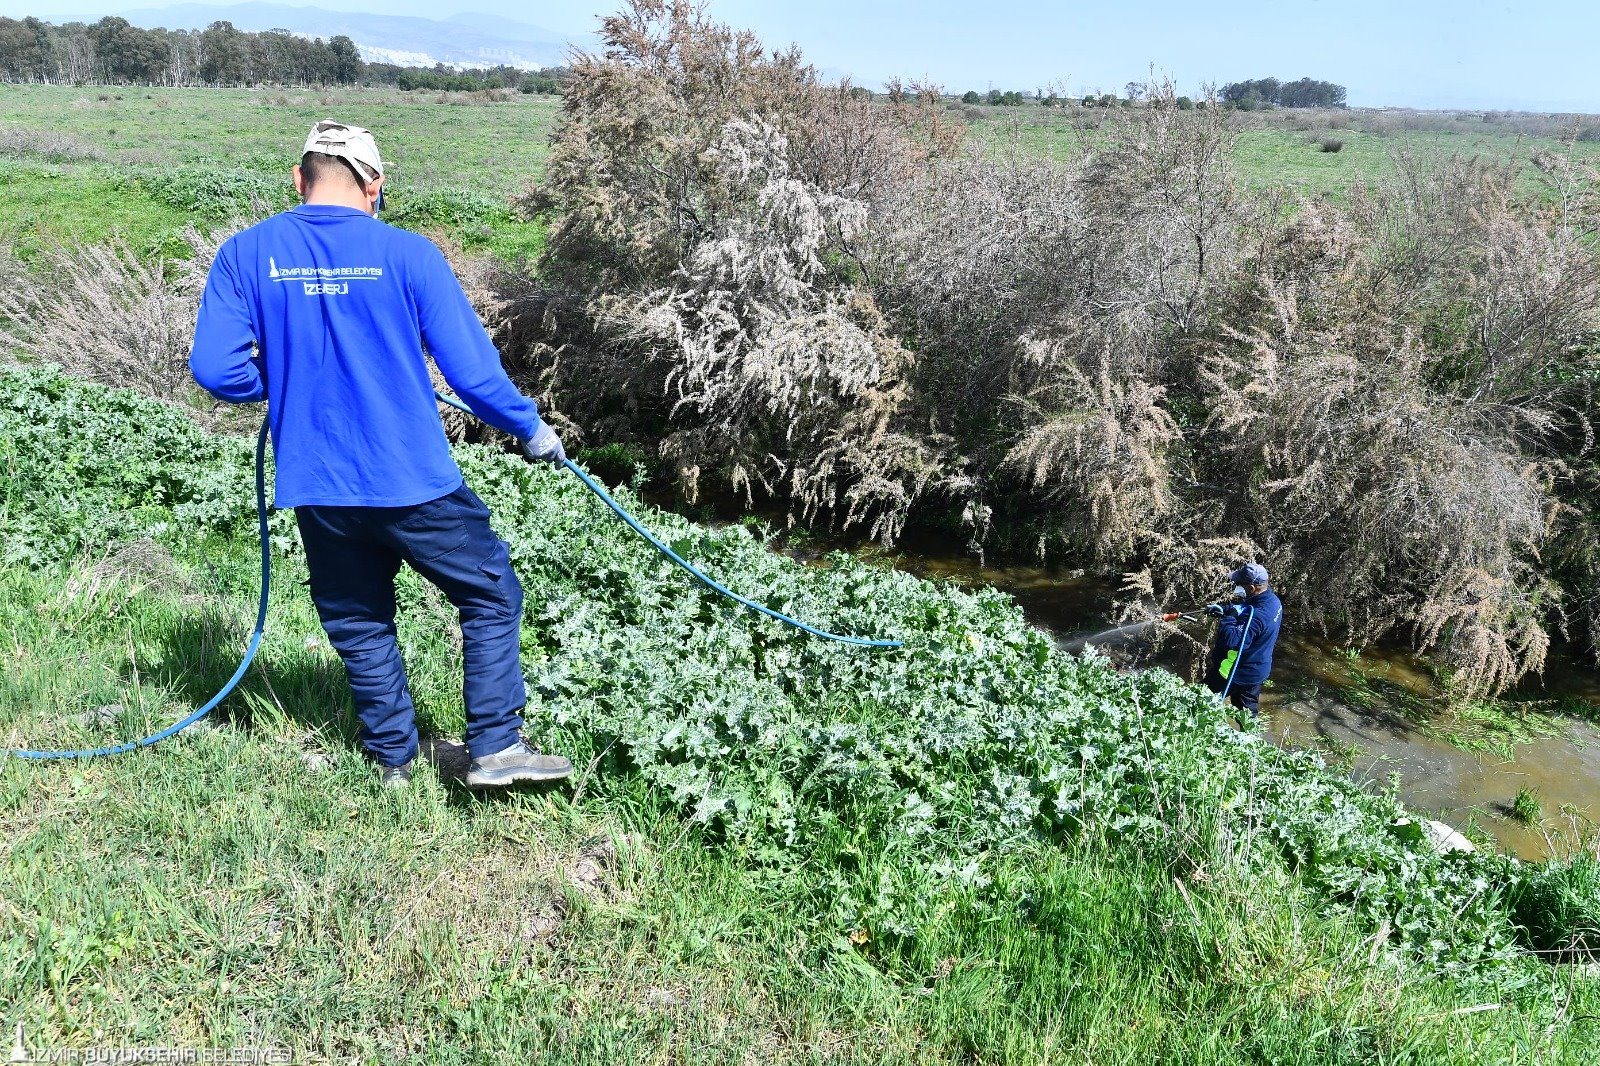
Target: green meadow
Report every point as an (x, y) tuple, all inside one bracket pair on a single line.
[(85, 163)]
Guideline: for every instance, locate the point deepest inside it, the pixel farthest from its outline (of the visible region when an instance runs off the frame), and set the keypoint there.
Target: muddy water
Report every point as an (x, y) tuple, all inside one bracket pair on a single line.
[(1360, 709)]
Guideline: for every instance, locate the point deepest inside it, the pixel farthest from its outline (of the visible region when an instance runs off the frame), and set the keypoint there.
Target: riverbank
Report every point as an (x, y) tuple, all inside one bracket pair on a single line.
[(778, 850), (1378, 712)]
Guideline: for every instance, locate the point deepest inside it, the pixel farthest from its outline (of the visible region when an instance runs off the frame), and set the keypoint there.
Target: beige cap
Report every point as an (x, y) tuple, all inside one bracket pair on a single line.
[(353, 144)]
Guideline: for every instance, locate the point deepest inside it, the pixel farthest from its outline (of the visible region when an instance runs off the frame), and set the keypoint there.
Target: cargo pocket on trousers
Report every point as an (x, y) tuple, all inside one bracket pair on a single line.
[(496, 566)]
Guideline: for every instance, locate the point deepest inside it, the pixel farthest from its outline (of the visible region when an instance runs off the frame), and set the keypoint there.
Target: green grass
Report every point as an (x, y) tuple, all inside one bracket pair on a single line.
[(1559, 906), (42, 202), (1484, 726), (1494, 727), (249, 883), (221, 890), (1526, 808), (488, 147), (155, 159), (1279, 158)]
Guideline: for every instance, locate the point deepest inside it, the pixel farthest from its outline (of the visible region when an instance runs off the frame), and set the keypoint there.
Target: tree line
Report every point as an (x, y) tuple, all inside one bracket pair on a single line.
[(442, 78), (1270, 92), (114, 52)]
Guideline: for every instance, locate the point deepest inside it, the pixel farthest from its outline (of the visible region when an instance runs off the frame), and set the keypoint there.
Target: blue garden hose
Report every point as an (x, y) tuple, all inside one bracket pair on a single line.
[(250, 652), (1244, 642), (633, 523)]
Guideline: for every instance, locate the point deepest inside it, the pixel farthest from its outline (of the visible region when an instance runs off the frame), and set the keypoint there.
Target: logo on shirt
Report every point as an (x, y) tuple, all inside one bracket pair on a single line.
[(322, 281)]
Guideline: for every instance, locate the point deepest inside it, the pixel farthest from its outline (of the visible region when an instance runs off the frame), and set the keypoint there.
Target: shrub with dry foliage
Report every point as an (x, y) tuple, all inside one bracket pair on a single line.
[(1391, 502), (110, 316), (1052, 302), (1394, 394), (1097, 447), (710, 199)]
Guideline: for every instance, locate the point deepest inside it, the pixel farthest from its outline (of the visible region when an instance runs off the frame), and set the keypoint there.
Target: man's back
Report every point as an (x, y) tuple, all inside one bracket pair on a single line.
[(327, 312), (341, 308)]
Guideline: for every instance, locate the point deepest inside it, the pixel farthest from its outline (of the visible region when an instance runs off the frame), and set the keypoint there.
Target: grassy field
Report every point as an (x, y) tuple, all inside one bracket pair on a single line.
[(1277, 157), (82, 164)]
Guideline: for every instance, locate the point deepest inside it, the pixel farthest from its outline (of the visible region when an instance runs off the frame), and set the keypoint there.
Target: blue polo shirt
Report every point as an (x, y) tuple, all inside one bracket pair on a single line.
[(326, 313)]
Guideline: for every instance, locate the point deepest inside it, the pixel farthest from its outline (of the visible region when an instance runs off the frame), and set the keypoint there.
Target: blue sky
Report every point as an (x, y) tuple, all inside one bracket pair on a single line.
[(1537, 55)]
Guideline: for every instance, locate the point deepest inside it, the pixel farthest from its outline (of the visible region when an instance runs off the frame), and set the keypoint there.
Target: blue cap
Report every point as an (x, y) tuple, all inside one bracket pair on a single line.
[(1249, 574)]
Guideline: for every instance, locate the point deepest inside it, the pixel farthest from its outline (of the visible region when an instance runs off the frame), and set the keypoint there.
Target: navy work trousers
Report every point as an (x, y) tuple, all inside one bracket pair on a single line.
[(354, 553)]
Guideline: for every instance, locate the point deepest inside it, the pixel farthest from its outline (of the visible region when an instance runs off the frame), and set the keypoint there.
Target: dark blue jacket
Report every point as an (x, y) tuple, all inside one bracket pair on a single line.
[(1256, 625)]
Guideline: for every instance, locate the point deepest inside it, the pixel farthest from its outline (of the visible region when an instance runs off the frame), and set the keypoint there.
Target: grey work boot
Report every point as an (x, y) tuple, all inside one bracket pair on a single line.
[(516, 763), (396, 777)]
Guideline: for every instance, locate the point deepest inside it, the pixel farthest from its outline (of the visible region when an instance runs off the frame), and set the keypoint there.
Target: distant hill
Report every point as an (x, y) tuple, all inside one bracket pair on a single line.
[(465, 40)]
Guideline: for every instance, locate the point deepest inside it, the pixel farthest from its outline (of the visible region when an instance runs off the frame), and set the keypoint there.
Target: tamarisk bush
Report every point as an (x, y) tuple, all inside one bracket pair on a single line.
[(710, 199), (1051, 304), (112, 317), (1394, 391)]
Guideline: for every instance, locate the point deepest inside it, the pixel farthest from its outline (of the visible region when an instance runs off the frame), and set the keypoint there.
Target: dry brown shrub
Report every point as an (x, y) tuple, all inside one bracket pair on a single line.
[(1162, 189), (711, 196), (781, 375), (1096, 445), (1575, 558), (1183, 568), (1392, 496), (1485, 628), (137, 566), (115, 318), (50, 144), (629, 168), (517, 312), (1047, 301), (1390, 408), (970, 255)]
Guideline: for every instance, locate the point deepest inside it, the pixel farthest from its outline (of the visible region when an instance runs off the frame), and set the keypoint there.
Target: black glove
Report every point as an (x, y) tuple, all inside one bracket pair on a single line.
[(1214, 610), (544, 446)]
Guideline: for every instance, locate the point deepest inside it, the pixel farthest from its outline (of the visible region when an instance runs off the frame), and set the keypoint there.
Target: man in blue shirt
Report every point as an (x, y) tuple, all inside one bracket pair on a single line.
[(1247, 632), (329, 315)]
